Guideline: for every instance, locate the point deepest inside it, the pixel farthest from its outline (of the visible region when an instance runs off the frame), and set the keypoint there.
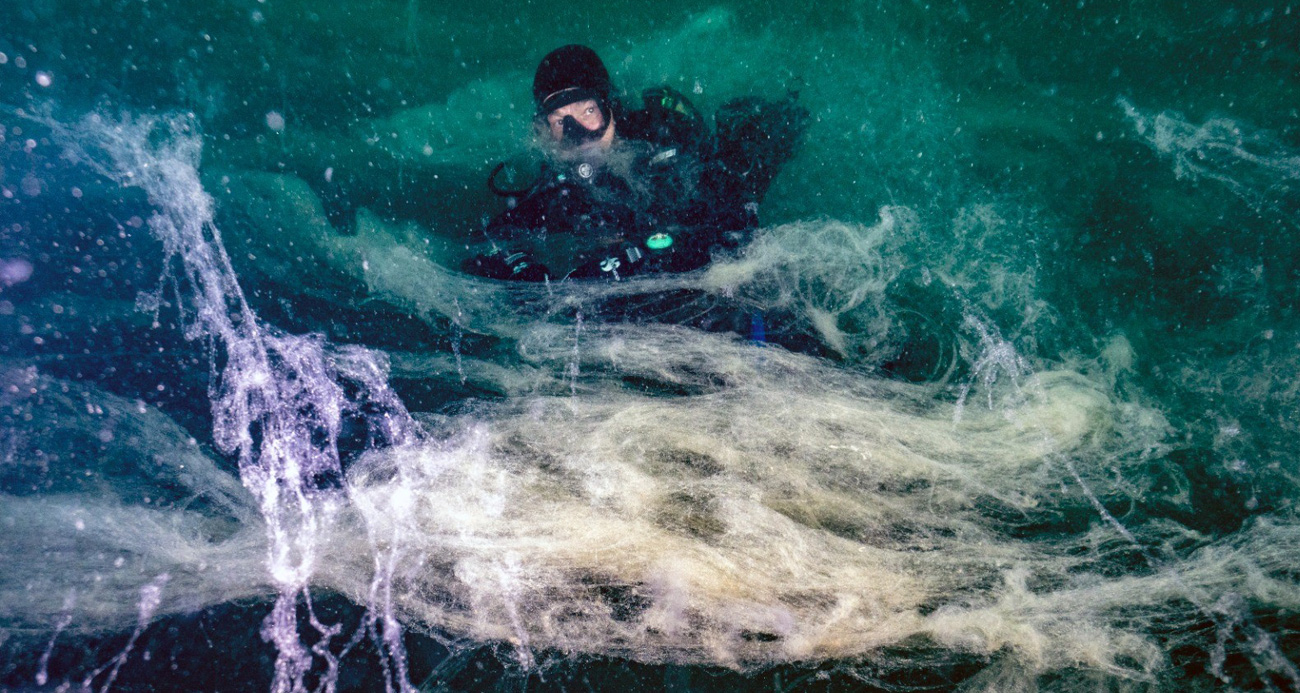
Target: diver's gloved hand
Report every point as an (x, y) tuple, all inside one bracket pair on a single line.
[(505, 265)]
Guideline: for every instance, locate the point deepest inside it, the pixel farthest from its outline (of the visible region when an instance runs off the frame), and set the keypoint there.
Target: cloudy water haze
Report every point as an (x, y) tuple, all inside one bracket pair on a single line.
[(1001, 396)]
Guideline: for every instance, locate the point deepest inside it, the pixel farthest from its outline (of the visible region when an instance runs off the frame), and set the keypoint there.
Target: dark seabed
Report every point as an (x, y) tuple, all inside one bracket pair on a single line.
[(1025, 417)]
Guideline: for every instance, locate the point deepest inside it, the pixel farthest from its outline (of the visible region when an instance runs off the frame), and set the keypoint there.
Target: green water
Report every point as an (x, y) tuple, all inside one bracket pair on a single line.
[(1026, 419)]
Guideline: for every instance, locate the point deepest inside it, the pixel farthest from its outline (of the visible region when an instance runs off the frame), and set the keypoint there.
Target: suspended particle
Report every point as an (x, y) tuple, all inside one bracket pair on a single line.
[(44, 79), (15, 271), (275, 121), (31, 185)]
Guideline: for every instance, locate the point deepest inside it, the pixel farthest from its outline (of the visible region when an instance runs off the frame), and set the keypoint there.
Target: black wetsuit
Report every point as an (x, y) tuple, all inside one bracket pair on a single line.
[(663, 200)]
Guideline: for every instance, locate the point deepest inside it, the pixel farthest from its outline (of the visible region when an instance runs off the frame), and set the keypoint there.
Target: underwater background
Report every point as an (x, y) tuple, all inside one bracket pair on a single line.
[(1002, 396)]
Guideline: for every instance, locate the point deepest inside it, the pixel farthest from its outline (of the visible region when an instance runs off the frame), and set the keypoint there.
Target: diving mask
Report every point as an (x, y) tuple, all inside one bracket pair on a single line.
[(576, 135)]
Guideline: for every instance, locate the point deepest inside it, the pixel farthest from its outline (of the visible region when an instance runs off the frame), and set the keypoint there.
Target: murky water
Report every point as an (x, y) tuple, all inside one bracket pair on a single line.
[(1002, 395)]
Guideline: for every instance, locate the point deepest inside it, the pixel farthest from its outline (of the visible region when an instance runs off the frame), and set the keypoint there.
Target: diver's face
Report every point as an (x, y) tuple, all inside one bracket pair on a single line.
[(588, 114)]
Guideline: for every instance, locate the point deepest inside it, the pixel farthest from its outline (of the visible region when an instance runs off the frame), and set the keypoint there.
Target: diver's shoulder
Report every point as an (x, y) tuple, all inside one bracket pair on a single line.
[(667, 120)]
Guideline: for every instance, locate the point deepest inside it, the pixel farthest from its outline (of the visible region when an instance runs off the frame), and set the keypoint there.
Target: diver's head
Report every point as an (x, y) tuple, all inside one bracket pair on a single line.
[(573, 94)]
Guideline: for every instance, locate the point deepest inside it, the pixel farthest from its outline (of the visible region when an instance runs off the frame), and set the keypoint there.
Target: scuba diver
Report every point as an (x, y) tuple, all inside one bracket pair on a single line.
[(629, 192)]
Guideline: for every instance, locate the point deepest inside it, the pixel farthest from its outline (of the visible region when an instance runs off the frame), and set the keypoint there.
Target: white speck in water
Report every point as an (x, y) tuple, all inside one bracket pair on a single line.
[(44, 79), (275, 121), (329, 174), (31, 185), (15, 271), (81, 525)]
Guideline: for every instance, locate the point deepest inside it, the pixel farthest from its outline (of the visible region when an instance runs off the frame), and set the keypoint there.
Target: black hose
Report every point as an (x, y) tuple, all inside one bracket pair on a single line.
[(492, 185)]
